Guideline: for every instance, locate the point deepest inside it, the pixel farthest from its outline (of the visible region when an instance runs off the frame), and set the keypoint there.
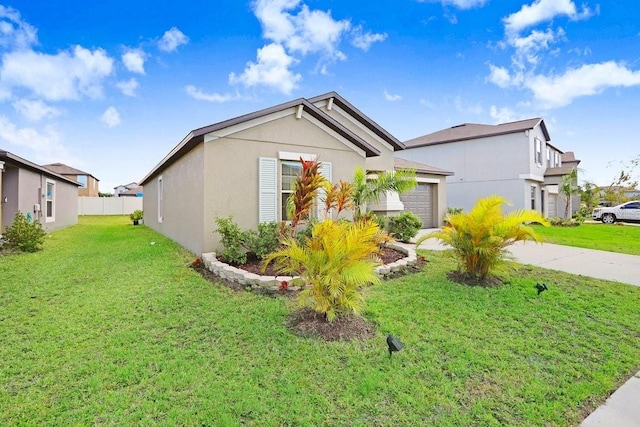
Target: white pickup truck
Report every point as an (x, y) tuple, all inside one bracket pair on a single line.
[(629, 211)]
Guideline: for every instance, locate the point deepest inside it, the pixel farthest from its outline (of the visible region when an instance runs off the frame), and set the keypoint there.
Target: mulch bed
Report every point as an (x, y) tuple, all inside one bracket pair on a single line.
[(306, 322)]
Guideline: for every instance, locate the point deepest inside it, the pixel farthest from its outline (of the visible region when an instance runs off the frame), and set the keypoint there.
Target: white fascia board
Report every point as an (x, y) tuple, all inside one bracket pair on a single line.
[(340, 138), (359, 124)]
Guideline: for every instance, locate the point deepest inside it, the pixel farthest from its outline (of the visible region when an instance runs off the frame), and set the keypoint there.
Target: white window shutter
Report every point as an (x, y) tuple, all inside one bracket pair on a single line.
[(268, 189), (326, 171)]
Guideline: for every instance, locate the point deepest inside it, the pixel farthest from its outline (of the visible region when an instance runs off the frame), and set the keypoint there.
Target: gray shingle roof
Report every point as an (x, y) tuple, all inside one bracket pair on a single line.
[(10, 158), (196, 136), (467, 131)]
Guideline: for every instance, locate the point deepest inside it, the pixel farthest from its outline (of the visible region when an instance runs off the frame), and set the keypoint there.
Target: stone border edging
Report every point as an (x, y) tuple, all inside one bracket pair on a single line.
[(273, 283)]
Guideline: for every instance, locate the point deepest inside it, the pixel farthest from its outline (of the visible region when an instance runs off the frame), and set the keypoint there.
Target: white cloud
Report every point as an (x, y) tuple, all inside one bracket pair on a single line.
[(45, 144), (590, 79), (502, 115), (198, 94), (128, 87), (34, 110), (14, 32), (391, 97), (460, 4), (543, 11), (66, 75), (172, 39), (500, 76), (133, 60), (271, 69), (528, 48), (111, 117), (427, 103), (364, 40), (307, 31)]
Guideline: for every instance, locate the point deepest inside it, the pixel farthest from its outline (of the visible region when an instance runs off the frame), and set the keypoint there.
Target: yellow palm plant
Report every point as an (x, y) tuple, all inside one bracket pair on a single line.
[(480, 237), (334, 264)]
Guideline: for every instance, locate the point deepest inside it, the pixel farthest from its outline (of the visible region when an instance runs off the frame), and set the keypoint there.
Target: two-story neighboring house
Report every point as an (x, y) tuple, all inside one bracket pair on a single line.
[(514, 160), (133, 189), (88, 183)]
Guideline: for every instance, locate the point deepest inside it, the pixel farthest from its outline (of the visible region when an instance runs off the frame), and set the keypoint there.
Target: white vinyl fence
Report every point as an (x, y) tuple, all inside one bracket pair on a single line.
[(108, 205)]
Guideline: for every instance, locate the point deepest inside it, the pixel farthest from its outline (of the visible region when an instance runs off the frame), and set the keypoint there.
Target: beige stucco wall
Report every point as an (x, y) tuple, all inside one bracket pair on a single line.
[(183, 201), (231, 166)]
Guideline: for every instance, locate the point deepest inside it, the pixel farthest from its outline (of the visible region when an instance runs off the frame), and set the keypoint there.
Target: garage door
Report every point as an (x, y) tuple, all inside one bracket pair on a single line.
[(420, 202)]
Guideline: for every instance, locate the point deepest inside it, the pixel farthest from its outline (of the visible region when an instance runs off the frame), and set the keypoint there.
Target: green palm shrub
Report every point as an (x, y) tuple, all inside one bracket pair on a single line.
[(479, 238), (333, 264)]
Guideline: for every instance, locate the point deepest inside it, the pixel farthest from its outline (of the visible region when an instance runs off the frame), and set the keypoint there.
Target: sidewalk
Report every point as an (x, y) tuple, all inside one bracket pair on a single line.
[(622, 408)]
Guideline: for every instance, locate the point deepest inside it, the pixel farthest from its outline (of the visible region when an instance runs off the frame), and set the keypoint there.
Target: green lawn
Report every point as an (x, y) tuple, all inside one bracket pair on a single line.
[(623, 238), (104, 327)]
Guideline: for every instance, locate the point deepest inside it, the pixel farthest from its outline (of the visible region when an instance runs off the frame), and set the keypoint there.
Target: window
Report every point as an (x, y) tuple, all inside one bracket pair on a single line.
[(538, 151), (160, 198), (533, 197), (548, 157), (290, 170), (50, 199), (82, 179)]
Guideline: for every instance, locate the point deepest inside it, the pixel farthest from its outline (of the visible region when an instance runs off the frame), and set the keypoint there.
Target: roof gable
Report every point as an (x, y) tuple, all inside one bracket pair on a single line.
[(335, 98), (197, 136), (62, 169), (469, 131)]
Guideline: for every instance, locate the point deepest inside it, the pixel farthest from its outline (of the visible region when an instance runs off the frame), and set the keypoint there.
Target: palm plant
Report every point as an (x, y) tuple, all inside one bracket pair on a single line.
[(334, 264), (480, 237), (370, 190)]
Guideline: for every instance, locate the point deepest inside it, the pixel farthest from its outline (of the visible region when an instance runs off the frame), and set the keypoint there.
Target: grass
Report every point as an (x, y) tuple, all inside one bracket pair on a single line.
[(622, 238), (104, 327)]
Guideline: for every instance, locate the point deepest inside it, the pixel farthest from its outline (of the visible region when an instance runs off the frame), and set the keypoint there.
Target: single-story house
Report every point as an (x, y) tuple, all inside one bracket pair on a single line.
[(244, 167), (37, 192), (516, 160)]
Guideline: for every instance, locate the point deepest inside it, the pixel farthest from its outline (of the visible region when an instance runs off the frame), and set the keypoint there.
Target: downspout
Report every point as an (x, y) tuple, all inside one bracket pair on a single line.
[(1, 196)]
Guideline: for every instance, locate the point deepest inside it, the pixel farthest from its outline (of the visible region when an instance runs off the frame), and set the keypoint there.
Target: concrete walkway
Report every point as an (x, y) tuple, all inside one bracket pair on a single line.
[(622, 408)]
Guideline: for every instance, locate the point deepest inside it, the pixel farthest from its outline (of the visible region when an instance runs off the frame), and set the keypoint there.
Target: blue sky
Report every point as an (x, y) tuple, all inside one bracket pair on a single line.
[(111, 87)]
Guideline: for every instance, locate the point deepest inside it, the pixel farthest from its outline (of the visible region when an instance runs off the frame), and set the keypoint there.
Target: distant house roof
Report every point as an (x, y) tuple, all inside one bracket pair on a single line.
[(196, 136), (128, 186), (62, 169), (419, 167), (468, 131), (363, 118), (132, 192), (10, 158)]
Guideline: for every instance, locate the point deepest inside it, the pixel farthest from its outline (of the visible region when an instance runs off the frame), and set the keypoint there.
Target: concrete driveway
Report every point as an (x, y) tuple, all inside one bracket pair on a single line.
[(586, 262)]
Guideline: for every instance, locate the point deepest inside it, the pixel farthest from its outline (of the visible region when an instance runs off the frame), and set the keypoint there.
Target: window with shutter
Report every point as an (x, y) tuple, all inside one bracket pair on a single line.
[(268, 189), (326, 171)]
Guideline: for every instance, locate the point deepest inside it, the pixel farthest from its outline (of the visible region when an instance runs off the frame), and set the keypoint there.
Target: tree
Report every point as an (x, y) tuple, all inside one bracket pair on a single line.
[(334, 264), (568, 188), (480, 237), (626, 179), (370, 190), (589, 195)]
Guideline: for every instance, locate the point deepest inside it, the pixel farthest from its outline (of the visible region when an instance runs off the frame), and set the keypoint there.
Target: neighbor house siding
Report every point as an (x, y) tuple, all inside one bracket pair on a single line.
[(481, 168)]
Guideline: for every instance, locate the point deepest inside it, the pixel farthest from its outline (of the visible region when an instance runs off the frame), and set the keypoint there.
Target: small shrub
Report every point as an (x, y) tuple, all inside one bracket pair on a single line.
[(233, 250), (264, 241), (24, 235), (405, 226), (454, 211), (136, 215)]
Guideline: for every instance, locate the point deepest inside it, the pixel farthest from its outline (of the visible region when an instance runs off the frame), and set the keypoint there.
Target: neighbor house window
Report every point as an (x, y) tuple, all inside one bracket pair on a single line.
[(82, 179), (290, 170), (50, 201), (548, 157), (533, 197), (538, 151), (160, 198)]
